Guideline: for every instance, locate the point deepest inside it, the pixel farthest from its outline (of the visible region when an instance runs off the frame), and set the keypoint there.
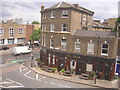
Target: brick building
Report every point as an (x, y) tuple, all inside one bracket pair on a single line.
[(12, 33), (68, 41), (98, 26)]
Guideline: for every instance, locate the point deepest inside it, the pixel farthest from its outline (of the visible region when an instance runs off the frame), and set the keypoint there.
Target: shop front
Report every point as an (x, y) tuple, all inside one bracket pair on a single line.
[(77, 64)]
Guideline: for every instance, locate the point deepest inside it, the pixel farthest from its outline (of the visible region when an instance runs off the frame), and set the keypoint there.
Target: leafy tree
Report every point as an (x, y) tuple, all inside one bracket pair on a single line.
[(35, 22), (117, 23), (36, 35)]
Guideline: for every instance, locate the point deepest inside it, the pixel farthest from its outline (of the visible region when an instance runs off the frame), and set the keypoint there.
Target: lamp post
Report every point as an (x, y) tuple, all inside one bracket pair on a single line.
[(95, 76), (32, 59)]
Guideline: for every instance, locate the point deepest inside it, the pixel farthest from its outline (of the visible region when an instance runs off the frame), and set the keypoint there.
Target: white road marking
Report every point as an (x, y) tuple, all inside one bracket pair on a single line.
[(21, 67), (5, 82), (2, 87), (52, 83), (27, 73), (37, 76), (29, 77), (14, 82), (14, 86), (24, 69), (67, 87), (60, 85)]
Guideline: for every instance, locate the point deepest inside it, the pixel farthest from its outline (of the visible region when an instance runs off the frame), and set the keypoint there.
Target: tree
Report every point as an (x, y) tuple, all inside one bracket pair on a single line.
[(117, 23), (35, 22), (36, 35)]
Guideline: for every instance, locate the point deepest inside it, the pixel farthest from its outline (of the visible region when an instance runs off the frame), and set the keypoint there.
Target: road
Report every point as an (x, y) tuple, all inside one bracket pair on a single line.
[(7, 57), (19, 76)]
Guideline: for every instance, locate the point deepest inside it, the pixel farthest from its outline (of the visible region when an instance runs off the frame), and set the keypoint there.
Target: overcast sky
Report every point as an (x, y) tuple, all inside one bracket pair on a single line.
[(29, 10)]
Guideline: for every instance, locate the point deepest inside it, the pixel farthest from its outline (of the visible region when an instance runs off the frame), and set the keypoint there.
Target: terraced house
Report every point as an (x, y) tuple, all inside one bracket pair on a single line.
[(13, 33), (69, 42)]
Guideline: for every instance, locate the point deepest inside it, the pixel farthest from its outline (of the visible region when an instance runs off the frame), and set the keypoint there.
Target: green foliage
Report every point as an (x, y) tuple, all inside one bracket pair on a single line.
[(118, 20), (93, 73), (35, 22), (42, 63), (36, 35), (54, 69), (62, 70), (38, 60), (116, 23)]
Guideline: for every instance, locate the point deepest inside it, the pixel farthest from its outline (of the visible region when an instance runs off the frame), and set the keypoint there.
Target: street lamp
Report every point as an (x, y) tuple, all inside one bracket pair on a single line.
[(95, 76), (32, 59)]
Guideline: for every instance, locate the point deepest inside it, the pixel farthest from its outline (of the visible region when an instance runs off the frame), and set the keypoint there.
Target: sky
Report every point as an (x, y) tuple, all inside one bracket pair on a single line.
[(29, 10)]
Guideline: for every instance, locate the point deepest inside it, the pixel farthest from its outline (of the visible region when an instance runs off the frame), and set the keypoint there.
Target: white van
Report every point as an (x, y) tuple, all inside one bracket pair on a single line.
[(20, 50)]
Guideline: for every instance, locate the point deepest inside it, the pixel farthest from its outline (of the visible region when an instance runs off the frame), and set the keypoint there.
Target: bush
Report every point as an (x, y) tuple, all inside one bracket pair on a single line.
[(62, 70), (54, 69)]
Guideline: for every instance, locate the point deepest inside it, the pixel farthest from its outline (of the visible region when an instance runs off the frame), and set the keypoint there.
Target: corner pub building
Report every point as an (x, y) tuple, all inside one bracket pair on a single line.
[(68, 41)]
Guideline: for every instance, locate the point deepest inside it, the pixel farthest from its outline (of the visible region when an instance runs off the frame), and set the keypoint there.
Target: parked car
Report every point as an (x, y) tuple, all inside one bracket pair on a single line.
[(4, 48)]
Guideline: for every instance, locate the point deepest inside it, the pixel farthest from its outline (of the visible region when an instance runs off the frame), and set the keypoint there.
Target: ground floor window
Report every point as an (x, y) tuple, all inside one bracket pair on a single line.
[(89, 67), (10, 41), (20, 40), (2, 41)]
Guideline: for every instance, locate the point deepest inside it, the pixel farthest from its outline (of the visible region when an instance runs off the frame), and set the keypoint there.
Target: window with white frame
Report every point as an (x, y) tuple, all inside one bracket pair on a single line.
[(64, 27), (90, 48), (53, 62), (51, 27), (1, 31), (2, 41), (64, 14), (10, 41), (51, 43), (20, 31), (52, 14), (49, 58), (63, 44), (77, 46), (104, 49), (11, 32)]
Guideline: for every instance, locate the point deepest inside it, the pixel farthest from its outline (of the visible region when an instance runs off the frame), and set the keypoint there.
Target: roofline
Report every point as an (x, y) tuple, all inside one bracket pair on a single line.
[(49, 9)]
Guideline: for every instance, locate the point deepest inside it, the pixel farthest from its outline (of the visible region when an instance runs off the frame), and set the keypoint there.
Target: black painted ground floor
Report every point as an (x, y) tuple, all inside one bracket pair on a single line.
[(77, 64)]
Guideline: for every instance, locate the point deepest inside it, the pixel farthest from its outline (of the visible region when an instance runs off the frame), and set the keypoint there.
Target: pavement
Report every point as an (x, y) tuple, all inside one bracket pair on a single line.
[(76, 79)]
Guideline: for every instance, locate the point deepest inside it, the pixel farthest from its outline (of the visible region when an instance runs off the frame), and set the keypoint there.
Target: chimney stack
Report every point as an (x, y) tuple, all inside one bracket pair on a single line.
[(76, 5), (42, 8)]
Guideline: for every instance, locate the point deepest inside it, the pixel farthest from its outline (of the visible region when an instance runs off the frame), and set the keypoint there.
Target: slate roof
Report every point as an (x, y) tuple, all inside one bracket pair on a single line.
[(91, 33), (67, 5)]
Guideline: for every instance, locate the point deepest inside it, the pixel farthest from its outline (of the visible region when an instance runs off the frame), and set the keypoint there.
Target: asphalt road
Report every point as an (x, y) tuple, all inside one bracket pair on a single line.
[(7, 56), (13, 77)]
